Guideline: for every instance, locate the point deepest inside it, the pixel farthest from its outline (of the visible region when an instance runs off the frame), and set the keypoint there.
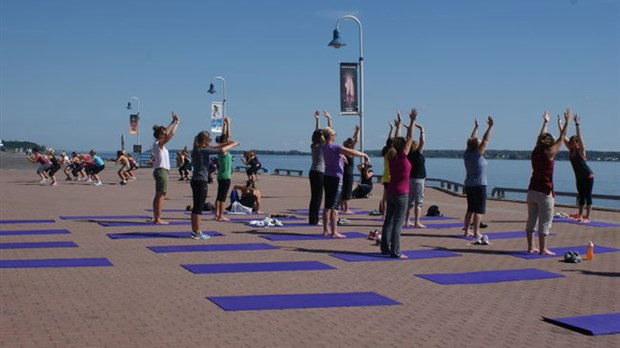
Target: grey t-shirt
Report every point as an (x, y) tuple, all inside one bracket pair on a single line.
[(200, 161)]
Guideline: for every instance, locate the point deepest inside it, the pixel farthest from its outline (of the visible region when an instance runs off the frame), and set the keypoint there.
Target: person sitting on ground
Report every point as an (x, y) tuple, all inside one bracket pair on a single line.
[(364, 188), (249, 199)]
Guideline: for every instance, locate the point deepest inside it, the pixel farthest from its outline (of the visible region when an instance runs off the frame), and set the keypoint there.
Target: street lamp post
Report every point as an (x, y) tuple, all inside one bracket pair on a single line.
[(129, 107), (337, 43), (213, 91)]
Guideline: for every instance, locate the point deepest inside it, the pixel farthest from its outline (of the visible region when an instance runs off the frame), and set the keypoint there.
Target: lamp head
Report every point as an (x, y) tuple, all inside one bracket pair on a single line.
[(211, 89), (129, 106), (336, 42)]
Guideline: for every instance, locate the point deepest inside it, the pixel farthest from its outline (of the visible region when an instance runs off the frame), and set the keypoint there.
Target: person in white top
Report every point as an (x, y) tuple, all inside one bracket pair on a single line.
[(161, 165)]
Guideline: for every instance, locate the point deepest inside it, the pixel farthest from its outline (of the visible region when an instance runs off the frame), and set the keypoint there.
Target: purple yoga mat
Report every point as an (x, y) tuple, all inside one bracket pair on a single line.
[(141, 223), (289, 301), (292, 236), (559, 252), (211, 247), (411, 254), (31, 232), (257, 267), (38, 245), (46, 263), (26, 221), (594, 324), (446, 225), (137, 235), (591, 223), (81, 217), (489, 276), (499, 235)]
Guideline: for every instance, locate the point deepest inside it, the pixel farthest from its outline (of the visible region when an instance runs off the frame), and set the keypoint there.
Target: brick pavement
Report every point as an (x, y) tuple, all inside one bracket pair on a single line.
[(147, 299)]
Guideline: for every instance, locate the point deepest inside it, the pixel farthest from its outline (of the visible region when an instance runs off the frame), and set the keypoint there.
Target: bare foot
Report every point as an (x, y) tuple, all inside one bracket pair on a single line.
[(222, 218), (338, 235), (419, 225), (408, 224), (533, 251), (160, 222), (325, 233), (546, 252), (347, 212), (403, 256), (585, 220)]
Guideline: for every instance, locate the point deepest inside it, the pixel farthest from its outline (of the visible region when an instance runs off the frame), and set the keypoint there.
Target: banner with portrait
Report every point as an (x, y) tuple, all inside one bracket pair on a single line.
[(349, 97), (217, 117), (134, 120)]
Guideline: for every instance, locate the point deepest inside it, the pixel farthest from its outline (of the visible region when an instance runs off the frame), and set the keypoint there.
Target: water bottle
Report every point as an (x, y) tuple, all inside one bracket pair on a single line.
[(590, 251)]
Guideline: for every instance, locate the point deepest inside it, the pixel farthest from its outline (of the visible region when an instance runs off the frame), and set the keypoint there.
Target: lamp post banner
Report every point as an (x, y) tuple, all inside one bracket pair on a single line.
[(217, 120), (134, 120), (349, 89)]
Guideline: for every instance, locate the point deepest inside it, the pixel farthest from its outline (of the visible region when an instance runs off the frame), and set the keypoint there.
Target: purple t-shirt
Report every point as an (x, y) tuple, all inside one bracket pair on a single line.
[(334, 164)]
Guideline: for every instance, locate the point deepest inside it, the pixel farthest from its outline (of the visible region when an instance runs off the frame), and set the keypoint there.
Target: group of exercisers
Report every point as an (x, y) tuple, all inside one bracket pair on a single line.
[(331, 177)]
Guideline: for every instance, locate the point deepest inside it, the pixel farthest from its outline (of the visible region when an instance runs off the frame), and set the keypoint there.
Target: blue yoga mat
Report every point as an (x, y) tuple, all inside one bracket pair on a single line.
[(38, 245), (140, 223), (31, 232), (45, 263), (169, 210), (489, 276), (26, 221), (288, 301), (211, 247), (559, 252), (257, 267), (136, 235), (293, 236), (81, 217), (411, 254), (594, 324)]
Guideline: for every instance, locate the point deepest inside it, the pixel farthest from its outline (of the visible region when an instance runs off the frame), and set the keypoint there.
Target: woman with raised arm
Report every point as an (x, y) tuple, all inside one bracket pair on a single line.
[(332, 180), (161, 165), (200, 177), (317, 169), (584, 176), (540, 194), (224, 173), (476, 181), (417, 177), (397, 190), (385, 177), (349, 168)]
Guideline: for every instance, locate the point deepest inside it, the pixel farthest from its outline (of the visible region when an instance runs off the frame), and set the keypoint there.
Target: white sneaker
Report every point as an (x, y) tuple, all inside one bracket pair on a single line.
[(98, 183)]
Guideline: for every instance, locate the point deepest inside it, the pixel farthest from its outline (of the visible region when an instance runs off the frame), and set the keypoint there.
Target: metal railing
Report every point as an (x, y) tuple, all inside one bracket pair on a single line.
[(500, 193)]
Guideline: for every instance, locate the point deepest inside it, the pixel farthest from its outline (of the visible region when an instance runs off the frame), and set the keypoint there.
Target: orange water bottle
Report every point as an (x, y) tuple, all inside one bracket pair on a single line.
[(590, 251)]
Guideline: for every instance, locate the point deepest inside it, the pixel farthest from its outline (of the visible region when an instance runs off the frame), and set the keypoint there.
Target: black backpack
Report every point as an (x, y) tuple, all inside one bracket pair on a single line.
[(433, 210)]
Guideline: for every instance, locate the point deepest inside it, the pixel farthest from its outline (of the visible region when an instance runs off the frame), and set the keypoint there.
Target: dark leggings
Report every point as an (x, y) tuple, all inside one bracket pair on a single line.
[(199, 195), (584, 190), (316, 196)]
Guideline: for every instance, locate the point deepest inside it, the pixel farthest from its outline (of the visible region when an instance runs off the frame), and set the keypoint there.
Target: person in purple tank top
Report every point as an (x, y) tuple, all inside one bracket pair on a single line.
[(332, 179), (540, 195)]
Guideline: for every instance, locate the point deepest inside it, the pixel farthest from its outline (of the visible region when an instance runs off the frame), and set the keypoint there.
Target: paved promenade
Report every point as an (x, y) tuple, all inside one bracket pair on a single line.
[(146, 299)]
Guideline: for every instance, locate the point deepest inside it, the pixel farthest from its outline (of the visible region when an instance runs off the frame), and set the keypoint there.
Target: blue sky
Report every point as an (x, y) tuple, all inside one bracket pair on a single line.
[(69, 67)]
